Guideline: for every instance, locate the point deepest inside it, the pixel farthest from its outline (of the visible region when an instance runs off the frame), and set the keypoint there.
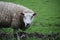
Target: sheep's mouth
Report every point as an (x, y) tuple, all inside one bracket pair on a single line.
[(28, 25)]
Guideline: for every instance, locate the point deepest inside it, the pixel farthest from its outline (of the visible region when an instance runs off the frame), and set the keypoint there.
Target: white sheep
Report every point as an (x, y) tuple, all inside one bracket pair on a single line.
[(15, 16)]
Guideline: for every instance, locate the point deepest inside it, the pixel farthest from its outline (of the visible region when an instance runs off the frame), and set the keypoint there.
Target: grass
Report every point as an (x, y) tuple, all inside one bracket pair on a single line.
[(47, 19)]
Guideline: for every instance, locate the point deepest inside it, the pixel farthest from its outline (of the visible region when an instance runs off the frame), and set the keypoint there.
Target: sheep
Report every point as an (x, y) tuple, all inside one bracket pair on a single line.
[(15, 16)]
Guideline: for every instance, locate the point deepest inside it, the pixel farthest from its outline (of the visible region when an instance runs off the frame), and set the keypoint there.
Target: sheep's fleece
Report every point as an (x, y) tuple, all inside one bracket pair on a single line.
[(10, 14)]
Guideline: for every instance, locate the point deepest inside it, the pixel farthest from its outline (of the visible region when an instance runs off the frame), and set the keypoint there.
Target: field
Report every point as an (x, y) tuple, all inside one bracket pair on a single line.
[(47, 19)]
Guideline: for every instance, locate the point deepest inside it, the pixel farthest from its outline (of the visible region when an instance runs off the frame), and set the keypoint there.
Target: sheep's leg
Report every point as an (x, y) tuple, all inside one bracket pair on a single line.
[(15, 25), (16, 34)]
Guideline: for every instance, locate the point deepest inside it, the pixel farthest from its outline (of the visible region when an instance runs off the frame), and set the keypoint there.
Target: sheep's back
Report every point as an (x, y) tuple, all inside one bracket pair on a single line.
[(6, 13)]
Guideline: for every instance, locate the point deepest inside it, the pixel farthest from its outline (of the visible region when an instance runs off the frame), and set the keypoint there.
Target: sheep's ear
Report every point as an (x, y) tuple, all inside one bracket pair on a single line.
[(22, 14), (34, 14)]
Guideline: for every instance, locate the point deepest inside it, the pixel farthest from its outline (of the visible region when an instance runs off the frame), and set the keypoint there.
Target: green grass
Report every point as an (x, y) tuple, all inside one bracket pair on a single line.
[(47, 19)]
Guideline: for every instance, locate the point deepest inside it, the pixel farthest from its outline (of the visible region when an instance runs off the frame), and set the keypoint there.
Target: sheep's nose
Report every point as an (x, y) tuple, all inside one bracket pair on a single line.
[(27, 24)]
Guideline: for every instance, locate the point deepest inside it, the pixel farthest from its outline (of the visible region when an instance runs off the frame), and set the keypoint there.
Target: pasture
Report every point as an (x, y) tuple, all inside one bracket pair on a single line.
[(47, 19)]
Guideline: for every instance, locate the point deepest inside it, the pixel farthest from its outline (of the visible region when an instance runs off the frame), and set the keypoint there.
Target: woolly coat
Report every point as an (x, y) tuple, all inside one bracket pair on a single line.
[(10, 15)]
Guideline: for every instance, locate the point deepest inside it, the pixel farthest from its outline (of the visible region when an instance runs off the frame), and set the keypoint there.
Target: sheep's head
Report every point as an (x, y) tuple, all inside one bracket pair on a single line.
[(28, 17)]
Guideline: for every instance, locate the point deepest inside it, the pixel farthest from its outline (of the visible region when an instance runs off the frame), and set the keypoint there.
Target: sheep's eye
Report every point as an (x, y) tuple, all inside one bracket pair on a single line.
[(22, 14), (31, 17)]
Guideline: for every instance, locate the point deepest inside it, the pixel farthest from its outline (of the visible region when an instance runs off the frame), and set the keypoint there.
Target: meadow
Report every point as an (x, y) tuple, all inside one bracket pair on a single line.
[(47, 19)]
